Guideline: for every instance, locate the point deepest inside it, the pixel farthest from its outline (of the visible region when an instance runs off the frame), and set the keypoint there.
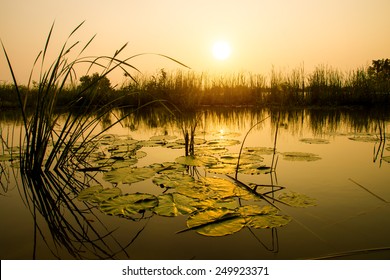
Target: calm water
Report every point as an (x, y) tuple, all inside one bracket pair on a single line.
[(349, 181)]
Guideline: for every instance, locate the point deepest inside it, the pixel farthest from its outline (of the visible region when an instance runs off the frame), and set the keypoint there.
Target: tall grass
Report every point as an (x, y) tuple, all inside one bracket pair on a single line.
[(44, 146)]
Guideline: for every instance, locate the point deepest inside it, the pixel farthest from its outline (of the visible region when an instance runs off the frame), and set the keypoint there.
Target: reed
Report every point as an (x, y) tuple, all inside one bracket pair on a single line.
[(44, 146)]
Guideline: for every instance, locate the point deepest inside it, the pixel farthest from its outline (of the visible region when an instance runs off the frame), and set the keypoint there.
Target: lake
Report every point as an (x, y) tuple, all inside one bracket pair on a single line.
[(312, 183)]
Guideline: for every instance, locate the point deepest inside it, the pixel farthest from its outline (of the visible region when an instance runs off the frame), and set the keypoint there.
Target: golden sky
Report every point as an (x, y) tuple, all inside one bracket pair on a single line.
[(286, 34)]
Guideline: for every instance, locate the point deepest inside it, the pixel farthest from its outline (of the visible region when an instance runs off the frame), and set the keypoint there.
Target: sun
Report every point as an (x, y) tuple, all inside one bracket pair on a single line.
[(221, 50)]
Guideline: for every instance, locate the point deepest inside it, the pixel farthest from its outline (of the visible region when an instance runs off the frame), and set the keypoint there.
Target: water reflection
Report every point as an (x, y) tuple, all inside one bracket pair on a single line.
[(63, 222)]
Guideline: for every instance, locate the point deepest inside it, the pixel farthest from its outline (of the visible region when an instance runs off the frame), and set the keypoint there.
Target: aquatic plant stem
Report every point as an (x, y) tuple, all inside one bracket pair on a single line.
[(243, 142)]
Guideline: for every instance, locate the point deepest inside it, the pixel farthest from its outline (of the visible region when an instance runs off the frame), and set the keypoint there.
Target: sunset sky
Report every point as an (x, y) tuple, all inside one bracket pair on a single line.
[(260, 34)]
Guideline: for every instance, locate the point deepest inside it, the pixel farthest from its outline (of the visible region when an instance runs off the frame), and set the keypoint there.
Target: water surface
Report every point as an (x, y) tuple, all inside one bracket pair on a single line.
[(349, 181)]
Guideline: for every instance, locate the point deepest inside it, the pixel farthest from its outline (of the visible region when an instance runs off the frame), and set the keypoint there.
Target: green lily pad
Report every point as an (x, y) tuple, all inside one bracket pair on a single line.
[(216, 222), (174, 204), (259, 150), (221, 168), (269, 221), (197, 141), (189, 160), (172, 180), (196, 190), (254, 169), (129, 175), (129, 204), (386, 159), (7, 157), (163, 138), (245, 158), (223, 142), (212, 150), (87, 193), (300, 156), (175, 146), (296, 199), (254, 210), (152, 143), (314, 141), (222, 187), (96, 194), (364, 138), (223, 133), (196, 160)]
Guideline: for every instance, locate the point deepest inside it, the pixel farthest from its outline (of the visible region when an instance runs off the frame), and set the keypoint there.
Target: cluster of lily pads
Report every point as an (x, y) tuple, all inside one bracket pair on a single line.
[(215, 206), (211, 203)]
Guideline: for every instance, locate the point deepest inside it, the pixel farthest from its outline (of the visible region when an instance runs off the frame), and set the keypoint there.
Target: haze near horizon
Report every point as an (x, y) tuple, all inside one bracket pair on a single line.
[(258, 35)]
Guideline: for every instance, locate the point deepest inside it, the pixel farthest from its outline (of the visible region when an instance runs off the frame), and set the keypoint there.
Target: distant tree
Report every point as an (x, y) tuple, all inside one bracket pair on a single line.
[(96, 82), (380, 69)]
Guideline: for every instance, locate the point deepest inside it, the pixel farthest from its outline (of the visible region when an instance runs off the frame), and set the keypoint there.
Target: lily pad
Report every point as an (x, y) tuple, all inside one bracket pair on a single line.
[(97, 194), (172, 180), (223, 142), (129, 204), (221, 168), (196, 160), (314, 141), (297, 200), (386, 159), (87, 193), (245, 158), (212, 150), (259, 150), (300, 156), (197, 141), (163, 138), (364, 138), (222, 187), (174, 204), (254, 169), (216, 222), (189, 160), (269, 221), (129, 175), (152, 143), (196, 190)]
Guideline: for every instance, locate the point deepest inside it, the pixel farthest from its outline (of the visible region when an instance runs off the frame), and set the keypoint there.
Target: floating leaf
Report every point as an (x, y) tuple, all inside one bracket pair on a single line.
[(254, 169), (259, 150), (196, 190), (174, 204), (221, 168), (152, 143), (223, 142), (163, 138), (223, 133), (216, 222), (196, 160), (212, 150), (314, 141), (87, 193), (222, 187), (197, 141), (387, 159), (96, 194), (172, 180), (269, 221), (296, 199), (129, 204), (300, 156), (189, 160), (175, 146), (254, 210), (129, 175), (364, 138), (245, 158)]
